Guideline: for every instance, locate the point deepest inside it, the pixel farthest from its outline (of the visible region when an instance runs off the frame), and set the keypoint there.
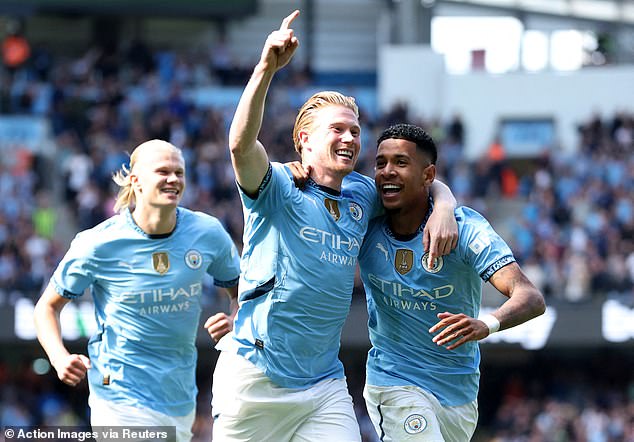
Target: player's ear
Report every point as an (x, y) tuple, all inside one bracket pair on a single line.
[(134, 181), (429, 174), (303, 137)]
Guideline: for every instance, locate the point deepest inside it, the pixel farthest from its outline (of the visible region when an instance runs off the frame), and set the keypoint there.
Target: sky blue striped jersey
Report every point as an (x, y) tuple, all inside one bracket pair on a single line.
[(146, 290), (404, 296), (298, 265)]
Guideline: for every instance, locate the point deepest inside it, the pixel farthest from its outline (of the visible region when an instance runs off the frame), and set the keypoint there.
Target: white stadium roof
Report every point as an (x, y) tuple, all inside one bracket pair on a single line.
[(617, 11)]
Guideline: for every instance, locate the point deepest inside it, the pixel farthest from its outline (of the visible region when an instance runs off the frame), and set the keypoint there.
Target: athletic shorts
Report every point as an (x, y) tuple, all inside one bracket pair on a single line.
[(109, 414), (247, 406), (409, 413)]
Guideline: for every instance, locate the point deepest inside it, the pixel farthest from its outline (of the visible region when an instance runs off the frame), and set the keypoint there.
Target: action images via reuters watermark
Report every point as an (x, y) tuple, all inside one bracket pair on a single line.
[(86, 434)]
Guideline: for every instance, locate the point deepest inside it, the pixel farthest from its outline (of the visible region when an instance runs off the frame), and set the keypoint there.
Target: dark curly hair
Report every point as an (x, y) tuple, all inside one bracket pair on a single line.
[(412, 133)]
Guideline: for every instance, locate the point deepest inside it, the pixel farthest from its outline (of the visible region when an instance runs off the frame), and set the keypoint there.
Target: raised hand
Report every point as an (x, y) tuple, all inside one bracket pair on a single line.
[(280, 45)]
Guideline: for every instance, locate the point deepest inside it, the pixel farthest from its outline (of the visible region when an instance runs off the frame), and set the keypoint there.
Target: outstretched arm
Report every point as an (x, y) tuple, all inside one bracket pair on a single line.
[(71, 368), (525, 302), (248, 155), (441, 230)]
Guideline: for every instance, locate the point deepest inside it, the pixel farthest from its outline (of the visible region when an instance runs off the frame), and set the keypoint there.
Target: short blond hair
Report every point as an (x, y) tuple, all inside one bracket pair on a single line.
[(306, 114), (125, 197)]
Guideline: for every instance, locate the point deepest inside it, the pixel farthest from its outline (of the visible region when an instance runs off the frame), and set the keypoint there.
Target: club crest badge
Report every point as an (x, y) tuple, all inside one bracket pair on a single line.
[(403, 260), (438, 263), (161, 262), (356, 211), (414, 424), (333, 208), (193, 259)]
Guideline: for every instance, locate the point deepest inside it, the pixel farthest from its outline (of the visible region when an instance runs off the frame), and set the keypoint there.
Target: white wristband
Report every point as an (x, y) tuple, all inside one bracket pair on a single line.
[(491, 322)]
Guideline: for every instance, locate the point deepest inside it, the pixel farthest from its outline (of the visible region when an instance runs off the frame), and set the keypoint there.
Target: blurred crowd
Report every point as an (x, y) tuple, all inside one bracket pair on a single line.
[(574, 233), (590, 399), (576, 230)]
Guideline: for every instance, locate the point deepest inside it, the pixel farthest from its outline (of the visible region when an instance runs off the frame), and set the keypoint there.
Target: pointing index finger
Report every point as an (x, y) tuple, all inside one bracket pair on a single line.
[(286, 23)]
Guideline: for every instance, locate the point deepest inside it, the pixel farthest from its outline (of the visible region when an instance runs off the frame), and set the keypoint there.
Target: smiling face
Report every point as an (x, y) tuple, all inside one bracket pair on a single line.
[(332, 144), (403, 175), (158, 175)]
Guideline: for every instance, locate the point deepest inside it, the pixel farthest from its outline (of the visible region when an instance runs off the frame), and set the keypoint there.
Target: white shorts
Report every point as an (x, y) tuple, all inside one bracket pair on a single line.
[(410, 413), (109, 414), (247, 406)]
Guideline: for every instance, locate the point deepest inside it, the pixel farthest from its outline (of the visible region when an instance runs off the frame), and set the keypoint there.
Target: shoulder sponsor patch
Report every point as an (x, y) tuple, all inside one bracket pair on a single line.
[(479, 243)]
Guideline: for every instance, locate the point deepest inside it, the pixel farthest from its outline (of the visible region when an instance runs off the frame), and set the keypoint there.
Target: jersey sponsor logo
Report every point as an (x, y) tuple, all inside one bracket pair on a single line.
[(356, 211), (328, 239), (414, 424), (333, 208), (193, 259), (338, 259), (403, 260), (438, 263), (407, 304), (161, 295), (160, 262), (396, 289)]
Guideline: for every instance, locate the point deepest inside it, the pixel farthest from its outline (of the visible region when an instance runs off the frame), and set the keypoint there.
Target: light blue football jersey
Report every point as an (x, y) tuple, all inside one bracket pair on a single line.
[(404, 296), (147, 290), (298, 265)]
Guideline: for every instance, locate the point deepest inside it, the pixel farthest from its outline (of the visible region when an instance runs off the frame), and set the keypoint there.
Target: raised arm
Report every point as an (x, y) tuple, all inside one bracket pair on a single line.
[(71, 368), (248, 155)]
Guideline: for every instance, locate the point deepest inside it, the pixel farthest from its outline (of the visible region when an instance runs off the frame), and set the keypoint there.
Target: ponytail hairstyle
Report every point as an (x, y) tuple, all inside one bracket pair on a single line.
[(306, 114), (125, 197)]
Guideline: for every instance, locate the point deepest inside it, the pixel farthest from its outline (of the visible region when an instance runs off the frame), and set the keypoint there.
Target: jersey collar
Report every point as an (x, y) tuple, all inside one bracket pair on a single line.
[(411, 236), (134, 225)]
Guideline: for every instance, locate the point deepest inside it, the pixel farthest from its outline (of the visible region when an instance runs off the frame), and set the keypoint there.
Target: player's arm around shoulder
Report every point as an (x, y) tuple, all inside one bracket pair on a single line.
[(70, 368), (440, 235)]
